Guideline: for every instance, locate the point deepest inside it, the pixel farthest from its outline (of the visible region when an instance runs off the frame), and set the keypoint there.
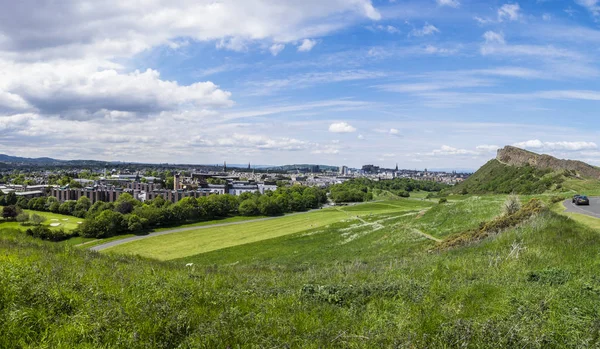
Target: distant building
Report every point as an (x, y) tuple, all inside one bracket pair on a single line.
[(344, 170)]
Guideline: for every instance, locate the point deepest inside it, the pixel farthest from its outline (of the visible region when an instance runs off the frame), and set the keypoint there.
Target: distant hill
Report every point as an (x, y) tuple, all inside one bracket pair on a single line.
[(16, 159), (523, 172), (514, 156), (303, 168)]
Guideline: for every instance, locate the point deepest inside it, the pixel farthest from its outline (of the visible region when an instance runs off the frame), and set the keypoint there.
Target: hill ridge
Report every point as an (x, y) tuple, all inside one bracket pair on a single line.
[(513, 156)]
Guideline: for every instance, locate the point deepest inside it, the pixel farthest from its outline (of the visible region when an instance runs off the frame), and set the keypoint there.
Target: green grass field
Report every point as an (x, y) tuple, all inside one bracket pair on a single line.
[(193, 242), (365, 282), (65, 222)]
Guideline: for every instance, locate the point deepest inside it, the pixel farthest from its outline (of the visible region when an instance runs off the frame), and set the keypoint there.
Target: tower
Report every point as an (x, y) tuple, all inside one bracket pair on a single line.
[(396, 167), (224, 166), (248, 165), (176, 182)]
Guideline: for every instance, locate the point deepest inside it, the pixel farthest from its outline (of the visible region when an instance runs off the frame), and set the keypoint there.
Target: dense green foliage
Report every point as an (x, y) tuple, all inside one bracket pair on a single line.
[(129, 215), (361, 189), (497, 178), (355, 284)]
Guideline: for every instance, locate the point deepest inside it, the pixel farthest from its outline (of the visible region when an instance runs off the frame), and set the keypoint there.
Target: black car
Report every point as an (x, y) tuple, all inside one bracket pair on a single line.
[(575, 198), (582, 200)]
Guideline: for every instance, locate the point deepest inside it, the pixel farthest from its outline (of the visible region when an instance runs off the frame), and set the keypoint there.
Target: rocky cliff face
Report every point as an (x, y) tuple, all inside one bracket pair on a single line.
[(514, 156)]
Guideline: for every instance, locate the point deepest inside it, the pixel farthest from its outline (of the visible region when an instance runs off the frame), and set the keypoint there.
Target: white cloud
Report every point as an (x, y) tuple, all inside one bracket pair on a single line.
[(307, 45), (394, 131), (509, 12), (78, 89), (428, 29), (591, 5), (251, 141), (430, 49), (341, 127), (310, 79), (448, 150), (492, 37), (112, 28), (567, 146), (451, 3), (276, 49), (487, 148), (361, 137)]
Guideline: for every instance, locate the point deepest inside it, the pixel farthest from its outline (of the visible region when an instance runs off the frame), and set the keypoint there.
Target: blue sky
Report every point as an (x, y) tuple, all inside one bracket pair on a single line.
[(425, 84)]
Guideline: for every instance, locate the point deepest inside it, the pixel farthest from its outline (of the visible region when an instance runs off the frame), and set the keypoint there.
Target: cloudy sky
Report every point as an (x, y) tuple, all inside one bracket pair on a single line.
[(428, 83)]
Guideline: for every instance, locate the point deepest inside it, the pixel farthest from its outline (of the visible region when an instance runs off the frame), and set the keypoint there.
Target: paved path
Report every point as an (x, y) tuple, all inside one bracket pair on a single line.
[(592, 210), (179, 230)]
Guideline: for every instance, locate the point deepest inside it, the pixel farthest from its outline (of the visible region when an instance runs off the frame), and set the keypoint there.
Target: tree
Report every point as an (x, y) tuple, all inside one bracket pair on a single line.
[(125, 203), (54, 207), (36, 219), (67, 207), (49, 201), (248, 208), (10, 212), (37, 204), (106, 224), (268, 207), (11, 198), (83, 204), (134, 223)]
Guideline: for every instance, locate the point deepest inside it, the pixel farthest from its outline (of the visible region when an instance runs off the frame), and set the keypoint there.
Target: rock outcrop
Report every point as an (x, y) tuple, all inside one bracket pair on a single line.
[(514, 156)]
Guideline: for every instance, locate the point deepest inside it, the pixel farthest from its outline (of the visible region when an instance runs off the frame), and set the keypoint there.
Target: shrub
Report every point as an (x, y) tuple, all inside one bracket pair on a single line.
[(46, 233), (443, 201), (511, 205), (23, 217), (36, 219), (556, 198)]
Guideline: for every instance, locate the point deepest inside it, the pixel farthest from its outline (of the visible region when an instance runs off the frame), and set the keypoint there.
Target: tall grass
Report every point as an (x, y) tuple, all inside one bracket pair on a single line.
[(310, 290)]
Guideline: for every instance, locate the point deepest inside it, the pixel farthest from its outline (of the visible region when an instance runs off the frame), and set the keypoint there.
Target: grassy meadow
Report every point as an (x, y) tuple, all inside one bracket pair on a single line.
[(66, 222), (370, 281), (187, 243)]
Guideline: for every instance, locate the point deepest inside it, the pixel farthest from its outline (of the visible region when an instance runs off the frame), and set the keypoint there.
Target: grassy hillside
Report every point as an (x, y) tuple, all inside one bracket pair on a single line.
[(353, 284), (495, 177), (192, 242)]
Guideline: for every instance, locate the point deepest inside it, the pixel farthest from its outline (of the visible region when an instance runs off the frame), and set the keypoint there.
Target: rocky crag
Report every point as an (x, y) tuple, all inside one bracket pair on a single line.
[(514, 156)]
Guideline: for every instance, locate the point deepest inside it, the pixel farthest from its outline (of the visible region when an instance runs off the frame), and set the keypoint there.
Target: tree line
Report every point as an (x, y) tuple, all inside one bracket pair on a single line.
[(128, 215), (361, 189)]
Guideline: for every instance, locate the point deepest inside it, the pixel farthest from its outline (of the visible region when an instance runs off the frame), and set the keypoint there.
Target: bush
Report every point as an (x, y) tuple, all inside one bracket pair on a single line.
[(511, 205), (36, 219), (443, 201), (46, 233), (23, 217), (556, 198)]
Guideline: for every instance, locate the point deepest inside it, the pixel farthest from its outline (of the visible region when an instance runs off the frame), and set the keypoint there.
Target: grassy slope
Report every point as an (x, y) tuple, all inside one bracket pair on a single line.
[(66, 222), (192, 242), (495, 177), (582, 186), (349, 285)]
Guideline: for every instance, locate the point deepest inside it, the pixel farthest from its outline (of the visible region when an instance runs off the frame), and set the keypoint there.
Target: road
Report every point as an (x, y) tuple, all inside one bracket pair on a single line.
[(592, 210), (179, 230)]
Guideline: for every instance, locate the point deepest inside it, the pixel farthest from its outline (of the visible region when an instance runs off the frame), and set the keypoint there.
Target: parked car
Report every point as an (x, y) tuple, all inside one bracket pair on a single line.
[(582, 200), (575, 198)]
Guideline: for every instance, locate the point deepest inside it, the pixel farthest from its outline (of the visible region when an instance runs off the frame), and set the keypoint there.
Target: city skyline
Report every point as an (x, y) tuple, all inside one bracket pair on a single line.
[(427, 84)]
